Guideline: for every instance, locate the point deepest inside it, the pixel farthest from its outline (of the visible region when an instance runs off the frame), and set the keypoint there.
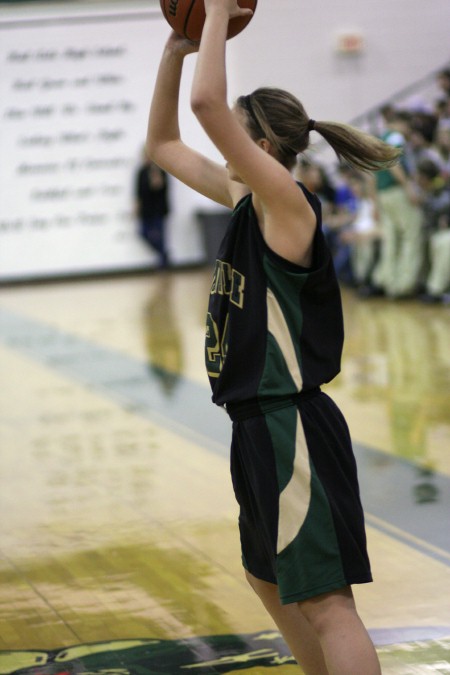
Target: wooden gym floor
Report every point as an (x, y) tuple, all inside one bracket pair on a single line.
[(119, 550)]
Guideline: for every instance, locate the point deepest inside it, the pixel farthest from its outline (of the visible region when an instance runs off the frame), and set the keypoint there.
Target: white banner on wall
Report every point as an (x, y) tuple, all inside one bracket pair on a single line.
[(74, 95)]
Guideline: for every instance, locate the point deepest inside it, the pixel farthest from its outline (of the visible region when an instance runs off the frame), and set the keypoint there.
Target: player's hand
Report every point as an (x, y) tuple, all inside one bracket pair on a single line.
[(180, 45)]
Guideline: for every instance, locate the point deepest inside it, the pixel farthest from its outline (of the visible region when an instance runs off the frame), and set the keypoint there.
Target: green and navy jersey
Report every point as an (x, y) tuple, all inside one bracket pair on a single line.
[(273, 328)]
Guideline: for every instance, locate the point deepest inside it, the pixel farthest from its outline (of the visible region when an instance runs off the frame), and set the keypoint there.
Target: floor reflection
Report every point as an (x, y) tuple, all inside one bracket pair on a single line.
[(397, 358), (162, 335)]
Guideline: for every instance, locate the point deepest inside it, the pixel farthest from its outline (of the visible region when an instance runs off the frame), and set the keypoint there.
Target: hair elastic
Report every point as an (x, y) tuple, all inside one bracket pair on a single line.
[(311, 125)]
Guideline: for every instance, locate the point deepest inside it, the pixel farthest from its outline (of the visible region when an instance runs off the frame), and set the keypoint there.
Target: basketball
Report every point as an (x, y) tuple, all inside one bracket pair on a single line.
[(186, 17)]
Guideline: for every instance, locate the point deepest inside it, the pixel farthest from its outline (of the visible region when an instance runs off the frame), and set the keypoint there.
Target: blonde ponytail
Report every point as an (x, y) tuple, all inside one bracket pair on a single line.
[(279, 116), (356, 148)]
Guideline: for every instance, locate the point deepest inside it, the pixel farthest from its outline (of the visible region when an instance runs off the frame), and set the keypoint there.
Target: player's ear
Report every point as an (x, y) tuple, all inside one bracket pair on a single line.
[(264, 144)]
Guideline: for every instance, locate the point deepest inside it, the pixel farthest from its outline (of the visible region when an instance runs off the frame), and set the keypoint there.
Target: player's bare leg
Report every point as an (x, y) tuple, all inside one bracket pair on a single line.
[(346, 644), (294, 627)]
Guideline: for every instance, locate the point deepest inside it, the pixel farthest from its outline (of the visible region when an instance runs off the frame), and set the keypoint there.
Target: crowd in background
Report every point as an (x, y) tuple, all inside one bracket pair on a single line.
[(390, 233)]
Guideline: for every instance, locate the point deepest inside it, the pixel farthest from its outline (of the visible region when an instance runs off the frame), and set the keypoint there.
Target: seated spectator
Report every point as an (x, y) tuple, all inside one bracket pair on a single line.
[(435, 203), (421, 141), (398, 271), (338, 207), (341, 219), (315, 179), (442, 105), (442, 108), (387, 113), (363, 235), (443, 146), (443, 81)]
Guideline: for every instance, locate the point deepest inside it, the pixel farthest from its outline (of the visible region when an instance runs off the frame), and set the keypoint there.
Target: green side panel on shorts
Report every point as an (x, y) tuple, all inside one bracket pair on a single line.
[(311, 564)]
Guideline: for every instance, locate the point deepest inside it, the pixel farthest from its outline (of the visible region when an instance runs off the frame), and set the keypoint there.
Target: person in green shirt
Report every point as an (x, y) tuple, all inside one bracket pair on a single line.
[(402, 252)]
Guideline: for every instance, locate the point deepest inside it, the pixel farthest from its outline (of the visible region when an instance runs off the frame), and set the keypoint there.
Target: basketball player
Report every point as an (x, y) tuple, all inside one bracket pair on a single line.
[(274, 335)]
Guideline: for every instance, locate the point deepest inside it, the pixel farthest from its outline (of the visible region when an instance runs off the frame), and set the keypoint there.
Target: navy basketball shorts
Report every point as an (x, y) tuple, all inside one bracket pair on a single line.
[(295, 479)]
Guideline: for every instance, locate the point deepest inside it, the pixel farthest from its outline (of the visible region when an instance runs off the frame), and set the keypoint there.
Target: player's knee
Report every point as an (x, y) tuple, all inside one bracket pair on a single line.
[(326, 611)]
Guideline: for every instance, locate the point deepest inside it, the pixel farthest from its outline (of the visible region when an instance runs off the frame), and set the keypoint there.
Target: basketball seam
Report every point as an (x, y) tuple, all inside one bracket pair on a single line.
[(187, 20)]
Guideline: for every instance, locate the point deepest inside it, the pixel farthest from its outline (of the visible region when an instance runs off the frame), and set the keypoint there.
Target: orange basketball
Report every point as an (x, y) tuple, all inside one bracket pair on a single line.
[(187, 17)]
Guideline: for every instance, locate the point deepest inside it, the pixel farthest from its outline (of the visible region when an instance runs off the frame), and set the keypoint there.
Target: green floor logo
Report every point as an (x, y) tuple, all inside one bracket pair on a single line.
[(204, 655), (402, 651)]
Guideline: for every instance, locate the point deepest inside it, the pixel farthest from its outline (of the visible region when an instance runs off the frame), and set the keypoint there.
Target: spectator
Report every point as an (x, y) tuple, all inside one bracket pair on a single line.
[(340, 221), (363, 235), (443, 82), (152, 207), (421, 141), (314, 177), (338, 206), (442, 105), (401, 257), (435, 202), (387, 113), (443, 146), (442, 108)]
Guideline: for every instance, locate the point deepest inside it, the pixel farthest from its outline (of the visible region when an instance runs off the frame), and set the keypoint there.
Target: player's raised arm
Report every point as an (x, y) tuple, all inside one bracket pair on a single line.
[(164, 145), (285, 217)]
